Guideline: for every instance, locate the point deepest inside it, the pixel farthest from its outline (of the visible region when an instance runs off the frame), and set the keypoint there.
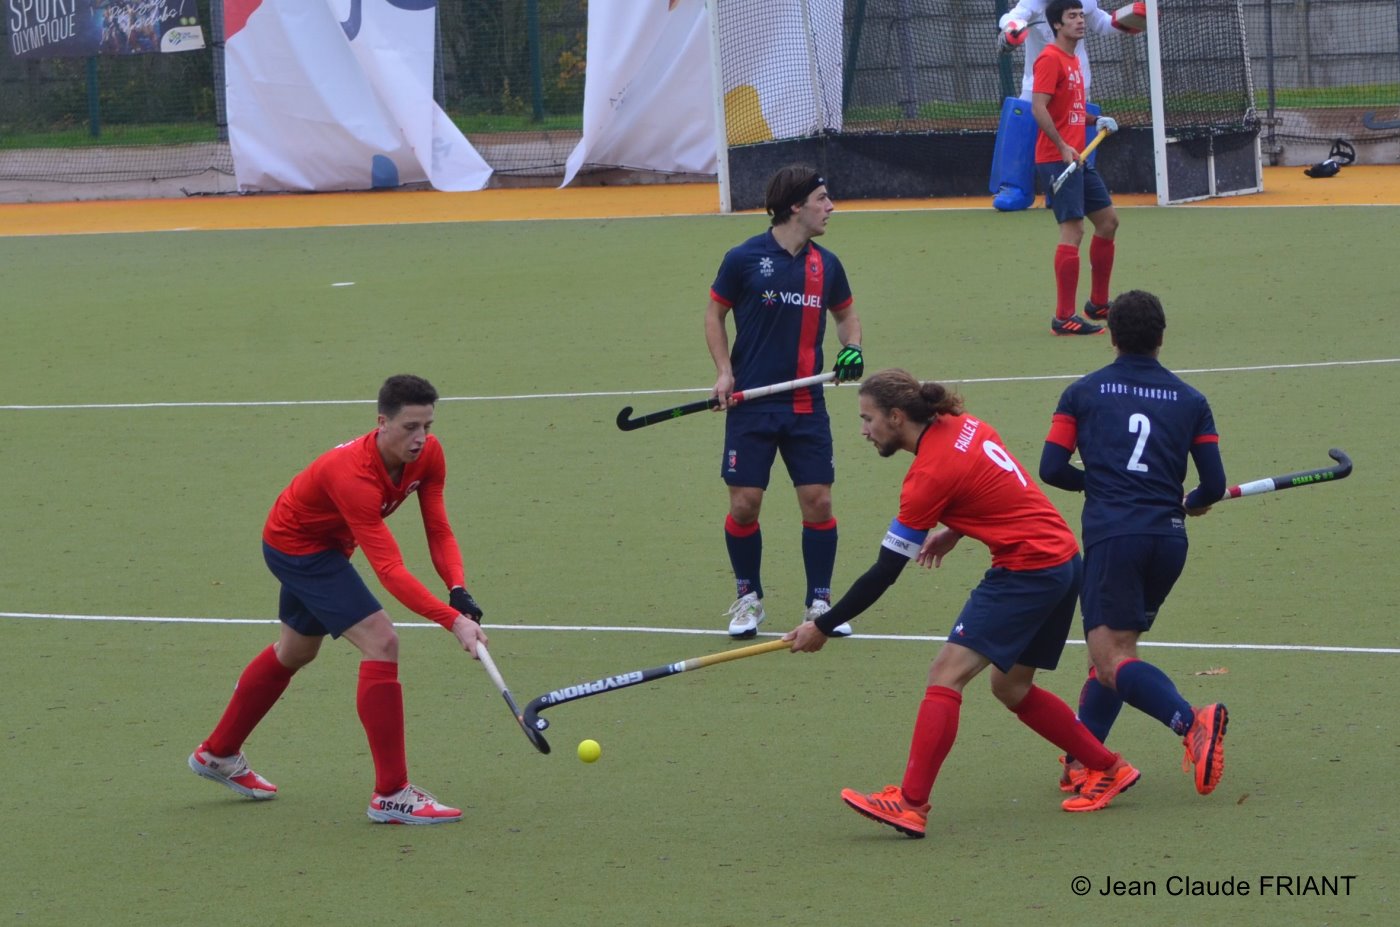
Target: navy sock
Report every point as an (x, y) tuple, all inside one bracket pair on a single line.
[(1098, 707), (819, 557), (1148, 689), (745, 543)]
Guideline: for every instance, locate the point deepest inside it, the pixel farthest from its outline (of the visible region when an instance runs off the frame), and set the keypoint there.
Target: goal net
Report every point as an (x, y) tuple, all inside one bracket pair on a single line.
[(901, 98)]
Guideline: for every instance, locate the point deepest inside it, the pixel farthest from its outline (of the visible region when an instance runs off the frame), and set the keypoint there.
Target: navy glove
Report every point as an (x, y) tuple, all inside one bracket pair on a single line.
[(850, 364), (462, 600)]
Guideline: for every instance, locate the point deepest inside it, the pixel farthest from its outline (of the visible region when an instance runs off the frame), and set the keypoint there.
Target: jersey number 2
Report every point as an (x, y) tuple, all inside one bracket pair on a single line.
[(1139, 425)]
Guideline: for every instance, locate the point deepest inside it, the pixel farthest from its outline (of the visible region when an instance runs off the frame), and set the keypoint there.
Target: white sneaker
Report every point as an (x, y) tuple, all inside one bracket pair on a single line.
[(745, 616), (410, 805), (233, 772), (820, 607)]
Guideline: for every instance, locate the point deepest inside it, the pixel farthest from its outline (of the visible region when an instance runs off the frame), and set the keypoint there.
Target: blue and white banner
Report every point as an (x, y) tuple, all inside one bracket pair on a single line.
[(338, 95), (84, 28)]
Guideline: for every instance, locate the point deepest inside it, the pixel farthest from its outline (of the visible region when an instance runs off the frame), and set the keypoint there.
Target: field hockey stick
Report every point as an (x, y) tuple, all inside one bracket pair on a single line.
[(702, 405), (484, 656), (1289, 480), (1074, 165), (534, 722)]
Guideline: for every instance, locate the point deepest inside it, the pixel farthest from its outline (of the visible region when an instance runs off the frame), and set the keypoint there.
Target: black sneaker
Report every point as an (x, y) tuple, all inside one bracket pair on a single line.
[(1094, 311), (1074, 325)]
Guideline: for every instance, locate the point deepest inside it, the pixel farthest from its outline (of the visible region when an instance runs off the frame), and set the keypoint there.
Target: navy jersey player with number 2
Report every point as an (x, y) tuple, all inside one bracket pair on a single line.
[(780, 285), (1135, 423)]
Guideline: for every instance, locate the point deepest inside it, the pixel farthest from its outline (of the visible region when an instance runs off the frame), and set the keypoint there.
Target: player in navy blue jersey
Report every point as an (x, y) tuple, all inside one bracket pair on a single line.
[(780, 285), (1135, 423)]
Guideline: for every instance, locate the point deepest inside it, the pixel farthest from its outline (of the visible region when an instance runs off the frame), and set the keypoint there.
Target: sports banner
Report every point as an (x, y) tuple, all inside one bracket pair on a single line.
[(648, 102), (338, 95), (84, 28)]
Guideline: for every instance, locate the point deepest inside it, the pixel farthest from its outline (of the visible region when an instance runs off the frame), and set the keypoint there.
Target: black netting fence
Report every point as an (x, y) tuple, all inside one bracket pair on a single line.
[(903, 82)]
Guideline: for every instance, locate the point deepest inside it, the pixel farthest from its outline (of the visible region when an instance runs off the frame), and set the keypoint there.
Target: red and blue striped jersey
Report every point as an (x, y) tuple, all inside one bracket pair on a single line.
[(1134, 423), (780, 304)]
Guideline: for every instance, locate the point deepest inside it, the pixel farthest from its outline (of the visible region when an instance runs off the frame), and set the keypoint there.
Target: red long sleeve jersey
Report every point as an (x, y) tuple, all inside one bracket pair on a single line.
[(340, 502)]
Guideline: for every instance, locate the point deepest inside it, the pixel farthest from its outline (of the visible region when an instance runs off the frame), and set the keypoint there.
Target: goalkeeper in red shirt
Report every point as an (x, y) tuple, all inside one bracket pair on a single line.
[(338, 503)]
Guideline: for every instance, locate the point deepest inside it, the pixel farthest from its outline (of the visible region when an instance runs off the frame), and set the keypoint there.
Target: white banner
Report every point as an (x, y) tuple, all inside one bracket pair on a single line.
[(648, 102), (338, 95)]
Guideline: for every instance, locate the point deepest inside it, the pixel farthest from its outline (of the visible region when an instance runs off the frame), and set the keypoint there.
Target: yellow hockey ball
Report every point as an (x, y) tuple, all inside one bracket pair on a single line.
[(589, 751)]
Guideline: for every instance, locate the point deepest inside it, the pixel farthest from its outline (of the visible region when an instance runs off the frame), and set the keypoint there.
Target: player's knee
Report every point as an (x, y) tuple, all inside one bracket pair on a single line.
[(1106, 226)]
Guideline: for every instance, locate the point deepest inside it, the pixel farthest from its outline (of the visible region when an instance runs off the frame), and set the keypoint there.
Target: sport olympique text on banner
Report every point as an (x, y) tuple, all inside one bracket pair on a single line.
[(84, 28)]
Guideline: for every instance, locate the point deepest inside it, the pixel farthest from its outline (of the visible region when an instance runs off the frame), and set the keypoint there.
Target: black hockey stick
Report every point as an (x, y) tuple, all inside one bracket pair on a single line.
[(1289, 480), (534, 722), (484, 656), (702, 405)]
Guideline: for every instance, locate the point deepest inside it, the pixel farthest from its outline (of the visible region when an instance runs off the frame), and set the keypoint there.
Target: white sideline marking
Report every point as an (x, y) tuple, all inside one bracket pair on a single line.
[(592, 629), (639, 392)]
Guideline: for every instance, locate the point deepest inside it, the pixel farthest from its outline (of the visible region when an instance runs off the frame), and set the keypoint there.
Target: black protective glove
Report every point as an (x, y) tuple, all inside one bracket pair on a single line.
[(462, 600), (850, 364)]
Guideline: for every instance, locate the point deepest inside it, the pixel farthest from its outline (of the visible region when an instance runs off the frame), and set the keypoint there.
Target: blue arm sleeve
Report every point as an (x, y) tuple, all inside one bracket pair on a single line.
[(865, 591), (1056, 470), (1211, 469)]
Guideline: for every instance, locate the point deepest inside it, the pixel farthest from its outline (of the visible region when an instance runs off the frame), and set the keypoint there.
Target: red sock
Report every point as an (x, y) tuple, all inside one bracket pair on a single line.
[(1046, 714), (379, 700), (1066, 280), (935, 729), (259, 687), (1100, 269)]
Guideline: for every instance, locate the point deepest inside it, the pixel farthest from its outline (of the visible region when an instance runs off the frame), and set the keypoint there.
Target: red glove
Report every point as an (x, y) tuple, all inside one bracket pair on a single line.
[(1014, 34), (1131, 19)]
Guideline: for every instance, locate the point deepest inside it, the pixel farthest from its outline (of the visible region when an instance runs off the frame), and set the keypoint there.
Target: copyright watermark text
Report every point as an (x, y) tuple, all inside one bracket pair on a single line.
[(1175, 886)]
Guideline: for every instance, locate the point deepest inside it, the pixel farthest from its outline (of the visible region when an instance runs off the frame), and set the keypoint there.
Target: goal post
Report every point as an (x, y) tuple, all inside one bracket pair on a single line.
[(1205, 128)]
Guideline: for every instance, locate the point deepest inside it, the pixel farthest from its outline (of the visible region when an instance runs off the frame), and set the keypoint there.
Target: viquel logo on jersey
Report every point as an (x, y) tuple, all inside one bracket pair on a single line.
[(801, 299)]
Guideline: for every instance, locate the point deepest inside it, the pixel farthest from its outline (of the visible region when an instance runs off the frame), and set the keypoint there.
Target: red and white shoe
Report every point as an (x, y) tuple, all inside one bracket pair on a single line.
[(410, 805), (232, 771)]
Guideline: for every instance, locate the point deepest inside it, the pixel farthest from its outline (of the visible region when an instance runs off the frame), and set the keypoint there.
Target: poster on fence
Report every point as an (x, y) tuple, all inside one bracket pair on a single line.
[(338, 95), (85, 28)]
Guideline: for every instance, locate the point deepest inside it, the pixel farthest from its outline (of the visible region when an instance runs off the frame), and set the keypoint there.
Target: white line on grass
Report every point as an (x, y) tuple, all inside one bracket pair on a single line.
[(614, 629), (637, 392)]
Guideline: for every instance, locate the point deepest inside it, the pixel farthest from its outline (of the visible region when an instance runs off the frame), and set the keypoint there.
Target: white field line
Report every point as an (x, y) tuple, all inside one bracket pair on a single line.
[(595, 629), (644, 392)]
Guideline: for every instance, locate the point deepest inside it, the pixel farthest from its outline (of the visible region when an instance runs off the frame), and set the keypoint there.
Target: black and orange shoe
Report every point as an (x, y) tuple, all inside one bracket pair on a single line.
[(889, 807), (1072, 775), (1205, 747), (1101, 786), (1094, 311), (1074, 325)]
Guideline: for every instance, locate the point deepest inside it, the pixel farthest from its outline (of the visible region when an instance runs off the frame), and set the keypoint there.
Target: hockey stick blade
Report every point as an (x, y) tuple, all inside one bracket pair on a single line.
[(627, 423), (534, 736)]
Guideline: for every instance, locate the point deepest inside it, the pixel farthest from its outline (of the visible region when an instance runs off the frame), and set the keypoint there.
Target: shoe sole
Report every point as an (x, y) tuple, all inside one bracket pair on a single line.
[(744, 635), (866, 812), (1076, 334), (206, 773), (381, 817), (1105, 800), (1215, 753)]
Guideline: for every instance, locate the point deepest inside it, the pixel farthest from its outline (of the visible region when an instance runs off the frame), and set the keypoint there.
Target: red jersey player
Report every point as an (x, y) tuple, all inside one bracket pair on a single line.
[(1057, 102), (338, 503), (1016, 619)]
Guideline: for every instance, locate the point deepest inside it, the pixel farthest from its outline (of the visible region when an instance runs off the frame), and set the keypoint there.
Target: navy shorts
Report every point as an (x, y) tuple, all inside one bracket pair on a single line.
[(1126, 579), (1021, 616), (321, 593), (1083, 194), (753, 436)]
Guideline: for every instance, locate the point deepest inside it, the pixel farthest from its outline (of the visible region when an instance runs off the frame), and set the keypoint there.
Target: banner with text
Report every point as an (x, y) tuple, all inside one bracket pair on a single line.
[(84, 28)]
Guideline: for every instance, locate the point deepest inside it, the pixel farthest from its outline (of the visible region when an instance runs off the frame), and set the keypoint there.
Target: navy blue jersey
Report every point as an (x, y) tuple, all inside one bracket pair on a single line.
[(780, 304), (1134, 422)]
